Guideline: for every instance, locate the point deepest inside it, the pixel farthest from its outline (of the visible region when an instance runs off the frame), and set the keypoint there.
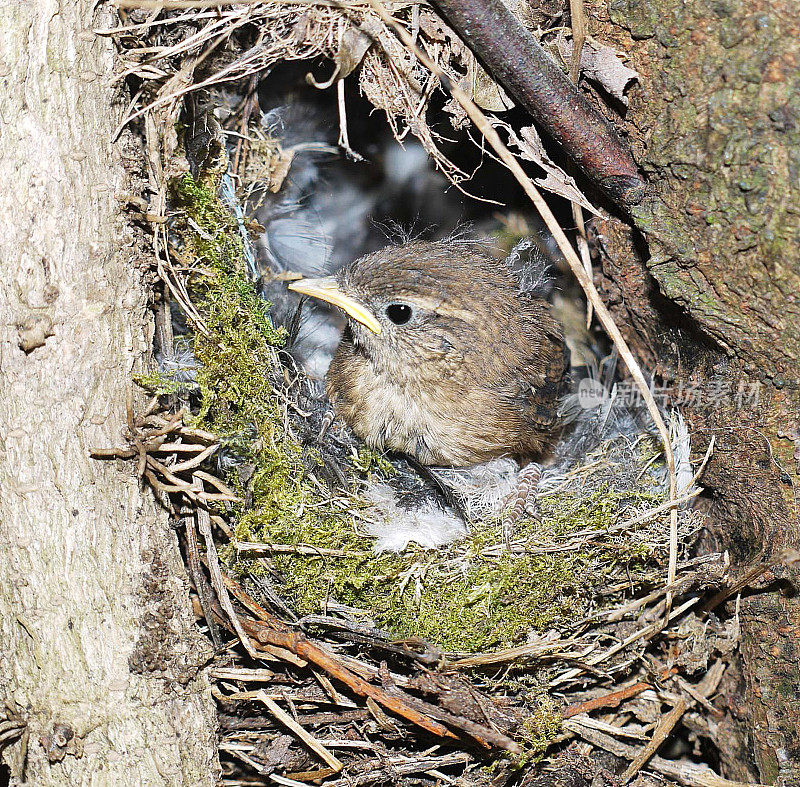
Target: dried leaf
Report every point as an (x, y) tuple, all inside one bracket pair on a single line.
[(602, 65), (487, 94), (432, 25), (555, 180), (281, 165), (352, 48)]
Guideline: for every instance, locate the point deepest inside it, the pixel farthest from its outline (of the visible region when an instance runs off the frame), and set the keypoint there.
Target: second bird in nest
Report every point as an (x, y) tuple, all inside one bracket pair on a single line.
[(445, 358)]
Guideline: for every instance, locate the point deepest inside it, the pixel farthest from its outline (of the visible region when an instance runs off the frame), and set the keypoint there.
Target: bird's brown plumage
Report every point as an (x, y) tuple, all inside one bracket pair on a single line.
[(474, 373)]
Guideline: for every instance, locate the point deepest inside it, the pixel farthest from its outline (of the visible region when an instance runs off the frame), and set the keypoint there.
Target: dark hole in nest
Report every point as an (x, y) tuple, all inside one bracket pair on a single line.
[(490, 186), (686, 743)]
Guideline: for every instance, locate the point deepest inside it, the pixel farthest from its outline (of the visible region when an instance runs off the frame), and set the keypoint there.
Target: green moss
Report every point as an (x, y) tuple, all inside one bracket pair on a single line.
[(157, 383), (540, 729), (470, 597), (235, 345), (369, 461)]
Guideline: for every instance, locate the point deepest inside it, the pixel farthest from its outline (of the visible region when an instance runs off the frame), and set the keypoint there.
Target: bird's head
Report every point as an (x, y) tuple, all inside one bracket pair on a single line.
[(413, 303)]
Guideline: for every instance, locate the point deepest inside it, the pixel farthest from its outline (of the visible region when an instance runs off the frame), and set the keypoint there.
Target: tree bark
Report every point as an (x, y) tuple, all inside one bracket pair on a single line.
[(707, 284), (99, 656)]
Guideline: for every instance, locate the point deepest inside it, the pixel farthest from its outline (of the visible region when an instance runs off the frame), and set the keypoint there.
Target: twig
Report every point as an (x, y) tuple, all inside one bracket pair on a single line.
[(652, 512), (532, 651), (661, 733), (196, 574), (255, 548), (241, 673), (196, 460), (612, 700), (686, 773), (217, 582), (681, 585), (421, 713), (214, 481), (645, 633), (578, 20), (10, 729), (583, 249), (519, 63), (578, 23), (301, 732), (786, 557), (270, 632), (344, 139)]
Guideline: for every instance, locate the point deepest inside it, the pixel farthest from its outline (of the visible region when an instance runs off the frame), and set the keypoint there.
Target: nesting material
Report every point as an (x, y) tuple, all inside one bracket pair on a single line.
[(456, 584), (421, 571), (395, 527)]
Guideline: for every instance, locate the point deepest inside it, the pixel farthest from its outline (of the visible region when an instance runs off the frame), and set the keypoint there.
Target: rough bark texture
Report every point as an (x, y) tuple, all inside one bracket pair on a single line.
[(708, 285), (98, 653)]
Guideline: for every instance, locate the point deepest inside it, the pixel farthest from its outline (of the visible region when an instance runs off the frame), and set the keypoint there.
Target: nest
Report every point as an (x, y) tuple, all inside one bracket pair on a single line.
[(488, 660)]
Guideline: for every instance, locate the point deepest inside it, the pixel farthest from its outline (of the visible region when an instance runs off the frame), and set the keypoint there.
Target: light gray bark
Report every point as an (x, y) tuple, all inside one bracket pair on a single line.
[(98, 652)]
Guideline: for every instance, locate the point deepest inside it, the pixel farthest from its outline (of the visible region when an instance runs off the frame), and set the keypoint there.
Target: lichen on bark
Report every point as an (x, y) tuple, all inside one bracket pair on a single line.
[(721, 105)]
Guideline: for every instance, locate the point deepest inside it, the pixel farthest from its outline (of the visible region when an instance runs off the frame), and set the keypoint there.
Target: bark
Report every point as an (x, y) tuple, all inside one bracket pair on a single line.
[(98, 652), (708, 284)]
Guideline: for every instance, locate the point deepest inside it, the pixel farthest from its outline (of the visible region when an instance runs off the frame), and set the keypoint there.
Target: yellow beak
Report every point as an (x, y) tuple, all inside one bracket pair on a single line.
[(328, 290)]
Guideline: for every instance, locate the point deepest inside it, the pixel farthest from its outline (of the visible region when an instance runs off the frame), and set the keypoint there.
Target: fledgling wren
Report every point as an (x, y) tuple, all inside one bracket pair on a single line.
[(443, 358)]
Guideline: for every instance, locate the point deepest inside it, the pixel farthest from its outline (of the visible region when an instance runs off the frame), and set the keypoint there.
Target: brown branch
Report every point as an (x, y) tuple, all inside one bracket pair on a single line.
[(270, 631), (614, 699), (518, 62), (419, 712), (276, 634)]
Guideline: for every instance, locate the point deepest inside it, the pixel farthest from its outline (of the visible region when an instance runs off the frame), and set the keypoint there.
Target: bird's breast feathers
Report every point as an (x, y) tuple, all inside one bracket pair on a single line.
[(453, 425)]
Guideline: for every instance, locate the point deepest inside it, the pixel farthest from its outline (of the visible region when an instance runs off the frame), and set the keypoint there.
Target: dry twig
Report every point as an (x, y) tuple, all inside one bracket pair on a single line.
[(335, 764), (661, 733)]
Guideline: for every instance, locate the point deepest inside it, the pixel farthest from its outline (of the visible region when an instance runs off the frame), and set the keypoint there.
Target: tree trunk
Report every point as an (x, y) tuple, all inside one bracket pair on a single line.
[(99, 657), (708, 285)]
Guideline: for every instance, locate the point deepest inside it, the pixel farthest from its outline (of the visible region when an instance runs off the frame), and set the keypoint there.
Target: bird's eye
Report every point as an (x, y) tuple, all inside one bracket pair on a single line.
[(398, 313)]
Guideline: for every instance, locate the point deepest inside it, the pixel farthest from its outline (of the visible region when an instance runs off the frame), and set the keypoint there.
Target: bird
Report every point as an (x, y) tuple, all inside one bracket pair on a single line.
[(446, 357)]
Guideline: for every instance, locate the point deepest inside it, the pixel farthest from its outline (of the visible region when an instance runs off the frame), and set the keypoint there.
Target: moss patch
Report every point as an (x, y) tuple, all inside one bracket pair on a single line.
[(238, 367), (540, 729), (471, 596)]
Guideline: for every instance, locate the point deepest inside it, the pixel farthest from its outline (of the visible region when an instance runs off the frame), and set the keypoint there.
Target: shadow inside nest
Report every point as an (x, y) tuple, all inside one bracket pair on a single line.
[(422, 600)]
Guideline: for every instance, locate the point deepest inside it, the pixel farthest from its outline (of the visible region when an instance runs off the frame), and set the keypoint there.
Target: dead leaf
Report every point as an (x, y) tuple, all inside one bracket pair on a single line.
[(487, 94), (432, 25), (282, 163), (555, 179), (352, 48), (601, 64), (458, 117)]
